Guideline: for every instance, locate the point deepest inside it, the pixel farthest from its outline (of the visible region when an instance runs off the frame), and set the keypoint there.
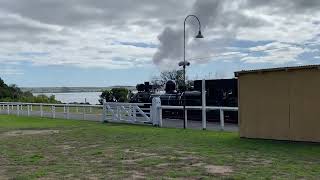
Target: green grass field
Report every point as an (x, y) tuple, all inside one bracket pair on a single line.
[(32, 148)]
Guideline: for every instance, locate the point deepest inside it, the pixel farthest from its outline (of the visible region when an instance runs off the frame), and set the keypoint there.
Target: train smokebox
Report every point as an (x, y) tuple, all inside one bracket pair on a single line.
[(140, 87), (147, 86), (170, 87)]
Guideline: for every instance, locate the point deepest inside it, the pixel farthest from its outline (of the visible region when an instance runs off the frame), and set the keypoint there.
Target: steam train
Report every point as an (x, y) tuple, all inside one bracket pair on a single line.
[(219, 92)]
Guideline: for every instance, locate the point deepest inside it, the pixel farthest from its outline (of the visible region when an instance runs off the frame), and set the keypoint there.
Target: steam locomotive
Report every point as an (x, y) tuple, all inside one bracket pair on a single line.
[(219, 92)]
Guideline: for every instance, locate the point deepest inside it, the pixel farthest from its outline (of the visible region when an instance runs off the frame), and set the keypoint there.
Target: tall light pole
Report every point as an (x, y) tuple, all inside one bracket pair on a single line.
[(184, 64)]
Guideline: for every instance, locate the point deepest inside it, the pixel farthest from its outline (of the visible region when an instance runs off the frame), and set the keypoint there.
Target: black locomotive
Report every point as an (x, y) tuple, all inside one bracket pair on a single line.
[(219, 92)]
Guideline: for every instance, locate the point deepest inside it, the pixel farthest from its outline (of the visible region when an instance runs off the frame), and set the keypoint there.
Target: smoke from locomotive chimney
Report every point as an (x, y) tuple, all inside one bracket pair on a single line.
[(170, 49)]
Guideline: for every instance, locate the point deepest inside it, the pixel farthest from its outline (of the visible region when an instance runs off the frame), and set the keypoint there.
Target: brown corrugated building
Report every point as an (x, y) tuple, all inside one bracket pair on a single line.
[(280, 103)]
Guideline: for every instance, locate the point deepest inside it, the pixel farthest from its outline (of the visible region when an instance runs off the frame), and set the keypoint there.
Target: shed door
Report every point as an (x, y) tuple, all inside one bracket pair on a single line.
[(304, 105), (264, 106)]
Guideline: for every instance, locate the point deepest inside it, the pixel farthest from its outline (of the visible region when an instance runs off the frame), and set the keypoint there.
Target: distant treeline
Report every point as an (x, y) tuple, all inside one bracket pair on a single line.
[(12, 93), (69, 89)]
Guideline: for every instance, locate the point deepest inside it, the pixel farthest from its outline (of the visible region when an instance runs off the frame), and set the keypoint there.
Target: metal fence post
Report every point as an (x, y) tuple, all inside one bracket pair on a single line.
[(222, 119), (204, 110), (8, 109)]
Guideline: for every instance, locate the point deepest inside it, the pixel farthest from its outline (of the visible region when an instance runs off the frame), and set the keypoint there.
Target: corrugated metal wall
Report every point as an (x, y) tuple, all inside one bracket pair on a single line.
[(280, 105)]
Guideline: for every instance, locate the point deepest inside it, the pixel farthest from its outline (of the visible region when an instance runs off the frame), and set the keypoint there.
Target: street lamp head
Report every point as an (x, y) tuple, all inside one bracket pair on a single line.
[(199, 35), (184, 63)]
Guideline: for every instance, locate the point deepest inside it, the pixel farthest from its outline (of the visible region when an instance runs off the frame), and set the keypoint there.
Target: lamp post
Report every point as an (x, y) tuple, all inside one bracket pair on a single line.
[(184, 63)]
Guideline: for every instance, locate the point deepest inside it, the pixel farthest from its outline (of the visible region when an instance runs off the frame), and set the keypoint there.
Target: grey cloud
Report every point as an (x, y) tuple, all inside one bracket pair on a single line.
[(285, 7), (55, 42), (208, 11), (116, 15), (84, 12)]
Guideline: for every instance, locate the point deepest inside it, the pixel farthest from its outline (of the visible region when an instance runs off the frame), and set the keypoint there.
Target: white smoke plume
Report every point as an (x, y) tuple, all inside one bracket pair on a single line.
[(219, 20)]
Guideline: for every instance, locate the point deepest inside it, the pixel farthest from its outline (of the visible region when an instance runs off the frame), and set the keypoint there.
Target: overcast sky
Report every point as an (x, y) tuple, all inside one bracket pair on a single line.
[(124, 42)]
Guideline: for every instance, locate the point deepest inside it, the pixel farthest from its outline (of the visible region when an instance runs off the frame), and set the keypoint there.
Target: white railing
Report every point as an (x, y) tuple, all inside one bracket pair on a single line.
[(81, 111), (204, 109)]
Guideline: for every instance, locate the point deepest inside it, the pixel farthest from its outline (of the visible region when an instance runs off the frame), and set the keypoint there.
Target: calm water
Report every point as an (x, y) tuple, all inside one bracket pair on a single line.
[(79, 97)]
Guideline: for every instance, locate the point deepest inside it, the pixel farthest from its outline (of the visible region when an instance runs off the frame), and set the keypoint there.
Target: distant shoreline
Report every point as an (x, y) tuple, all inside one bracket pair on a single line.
[(70, 89)]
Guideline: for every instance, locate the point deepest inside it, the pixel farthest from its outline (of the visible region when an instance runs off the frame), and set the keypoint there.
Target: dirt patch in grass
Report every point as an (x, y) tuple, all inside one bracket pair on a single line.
[(183, 152), (181, 158), (3, 166), (140, 153), (2, 174), (137, 175), (65, 147), (221, 170), (257, 161), (189, 158), (163, 165), (131, 161), (29, 132)]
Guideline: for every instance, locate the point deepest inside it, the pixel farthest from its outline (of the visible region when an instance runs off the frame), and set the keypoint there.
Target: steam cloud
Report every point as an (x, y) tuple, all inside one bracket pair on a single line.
[(170, 50)]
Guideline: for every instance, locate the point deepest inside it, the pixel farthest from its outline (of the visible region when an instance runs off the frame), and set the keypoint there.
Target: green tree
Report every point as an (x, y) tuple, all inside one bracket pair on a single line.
[(2, 84), (115, 95), (175, 75), (120, 94), (106, 95)]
